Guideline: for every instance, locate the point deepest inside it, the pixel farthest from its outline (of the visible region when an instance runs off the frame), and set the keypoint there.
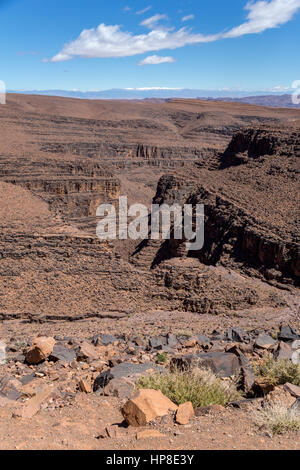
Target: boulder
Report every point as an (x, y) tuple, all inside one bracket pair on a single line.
[(62, 354), (104, 340), (87, 351), (184, 413), (125, 369), (247, 376), (172, 340), (287, 333), (10, 388), (265, 341), (120, 388), (237, 335), (146, 406), (221, 364), (203, 341), (157, 342), (283, 351), (40, 350)]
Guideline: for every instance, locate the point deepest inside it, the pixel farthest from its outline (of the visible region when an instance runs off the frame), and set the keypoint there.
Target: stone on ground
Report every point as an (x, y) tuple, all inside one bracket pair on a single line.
[(184, 413), (146, 406), (40, 350)]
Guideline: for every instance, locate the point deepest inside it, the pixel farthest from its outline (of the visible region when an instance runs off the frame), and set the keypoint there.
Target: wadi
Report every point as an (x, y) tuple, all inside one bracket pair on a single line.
[(139, 344)]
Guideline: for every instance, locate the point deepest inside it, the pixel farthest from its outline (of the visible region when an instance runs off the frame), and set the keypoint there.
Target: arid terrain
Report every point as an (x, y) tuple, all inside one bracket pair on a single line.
[(59, 159)]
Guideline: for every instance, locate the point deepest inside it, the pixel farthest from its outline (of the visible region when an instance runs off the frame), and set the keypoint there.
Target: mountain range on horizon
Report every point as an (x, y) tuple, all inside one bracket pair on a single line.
[(263, 98)]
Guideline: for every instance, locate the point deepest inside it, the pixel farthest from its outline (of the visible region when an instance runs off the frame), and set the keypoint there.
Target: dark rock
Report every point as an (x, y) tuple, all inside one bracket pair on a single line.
[(103, 340), (288, 333), (26, 379), (10, 388), (125, 369), (157, 342), (265, 341), (221, 364), (237, 335), (172, 340), (62, 354), (138, 341), (247, 376), (283, 351), (216, 346), (218, 336), (119, 388), (203, 341)]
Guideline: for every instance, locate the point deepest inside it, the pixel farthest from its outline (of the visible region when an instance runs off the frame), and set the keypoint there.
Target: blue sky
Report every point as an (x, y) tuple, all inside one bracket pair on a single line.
[(98, 45)]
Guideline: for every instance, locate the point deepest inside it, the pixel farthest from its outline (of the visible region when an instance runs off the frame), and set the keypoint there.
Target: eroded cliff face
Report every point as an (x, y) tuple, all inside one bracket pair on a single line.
[(254, 143), (237, 236), (73, 188)]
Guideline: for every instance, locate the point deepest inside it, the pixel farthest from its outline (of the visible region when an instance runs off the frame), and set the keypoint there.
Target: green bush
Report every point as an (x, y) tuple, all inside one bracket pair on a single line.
[(201, 387), (162, 357), (277, 372)]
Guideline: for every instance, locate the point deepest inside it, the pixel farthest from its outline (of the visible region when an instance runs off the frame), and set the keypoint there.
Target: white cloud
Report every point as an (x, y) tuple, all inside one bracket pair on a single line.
[(156, 60), (265, 15), (141, 12), (153, 20), (111, 41), (188, 18)]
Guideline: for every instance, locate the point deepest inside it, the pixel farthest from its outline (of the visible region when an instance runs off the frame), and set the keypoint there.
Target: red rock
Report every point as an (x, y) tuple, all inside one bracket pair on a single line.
[(40, 350), (85, 386), (146, 406), (184, 413), (87, 351)]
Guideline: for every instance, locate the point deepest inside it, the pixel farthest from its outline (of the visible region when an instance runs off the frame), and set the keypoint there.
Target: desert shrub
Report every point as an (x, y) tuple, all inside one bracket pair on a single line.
[(184, 334), (162, 357), (277, 372), (277, 419), (200, 386)]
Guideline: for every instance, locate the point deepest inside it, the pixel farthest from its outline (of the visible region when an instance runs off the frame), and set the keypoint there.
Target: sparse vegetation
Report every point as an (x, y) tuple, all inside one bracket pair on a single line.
[(277, 419), (184, 333), (200, 386), (162, 357), (277, 372)]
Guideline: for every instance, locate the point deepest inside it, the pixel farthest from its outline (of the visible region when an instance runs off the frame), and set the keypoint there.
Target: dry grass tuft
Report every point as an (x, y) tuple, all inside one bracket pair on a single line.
[(278, 419), (199, 386), (277, 372)]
